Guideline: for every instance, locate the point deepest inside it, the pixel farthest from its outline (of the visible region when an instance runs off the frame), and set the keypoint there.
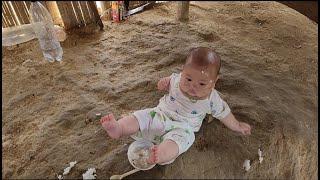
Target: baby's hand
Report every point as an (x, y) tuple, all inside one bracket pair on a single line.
[(163, 84), (244, 128)]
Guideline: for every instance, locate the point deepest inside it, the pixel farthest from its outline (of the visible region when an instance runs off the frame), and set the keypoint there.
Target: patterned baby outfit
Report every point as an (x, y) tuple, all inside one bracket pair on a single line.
[(177, 117)]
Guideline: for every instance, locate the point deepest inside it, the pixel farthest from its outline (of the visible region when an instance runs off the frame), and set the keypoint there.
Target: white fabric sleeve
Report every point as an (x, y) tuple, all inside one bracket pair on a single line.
[(219, 108), (173, 78)]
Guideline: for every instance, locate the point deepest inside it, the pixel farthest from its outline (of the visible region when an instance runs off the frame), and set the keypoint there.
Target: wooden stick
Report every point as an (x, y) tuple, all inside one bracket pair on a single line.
[(183, 10), (96, 16), (78, 15), (67, 15), (9, 14), (85, 12), (4, 21), (19, 9), (54, 11)]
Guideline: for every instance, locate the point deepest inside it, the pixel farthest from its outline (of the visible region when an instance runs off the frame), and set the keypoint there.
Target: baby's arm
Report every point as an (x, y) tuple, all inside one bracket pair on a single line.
[(233, 124), (164, 84)]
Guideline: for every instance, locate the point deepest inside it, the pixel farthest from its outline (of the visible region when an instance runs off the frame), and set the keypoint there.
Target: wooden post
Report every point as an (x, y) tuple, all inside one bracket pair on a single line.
[(77, 9), (5, 15), (97, 18), (85, 12), (183, 10), (4, 21), (68, 17), (21, 12), (54, 12), (9, 13)]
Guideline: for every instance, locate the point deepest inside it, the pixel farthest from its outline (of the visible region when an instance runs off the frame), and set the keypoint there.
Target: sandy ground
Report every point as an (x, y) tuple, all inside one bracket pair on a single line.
[(269, 79)]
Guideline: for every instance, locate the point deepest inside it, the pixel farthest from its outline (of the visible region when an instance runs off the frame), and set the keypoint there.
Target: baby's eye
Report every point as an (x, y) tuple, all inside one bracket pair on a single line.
[(202, 84), (188, 79)]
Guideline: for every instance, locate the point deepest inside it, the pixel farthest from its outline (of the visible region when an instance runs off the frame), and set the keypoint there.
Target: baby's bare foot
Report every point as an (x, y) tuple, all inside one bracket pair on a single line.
[(112, 127)]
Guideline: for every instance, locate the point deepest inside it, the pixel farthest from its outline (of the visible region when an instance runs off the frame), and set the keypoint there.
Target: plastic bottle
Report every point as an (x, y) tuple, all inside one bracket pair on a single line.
[(42, 24), (19, 34)]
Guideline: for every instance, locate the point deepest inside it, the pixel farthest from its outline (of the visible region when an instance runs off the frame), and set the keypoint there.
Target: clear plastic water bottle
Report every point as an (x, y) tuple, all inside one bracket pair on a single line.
[(17, 34), (42, 24)]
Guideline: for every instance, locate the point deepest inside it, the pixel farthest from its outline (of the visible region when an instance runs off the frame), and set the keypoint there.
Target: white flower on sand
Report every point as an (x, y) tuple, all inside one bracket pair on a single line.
[(60, 177), (260, 155), (90, 174), (67, 169), (246, 165)]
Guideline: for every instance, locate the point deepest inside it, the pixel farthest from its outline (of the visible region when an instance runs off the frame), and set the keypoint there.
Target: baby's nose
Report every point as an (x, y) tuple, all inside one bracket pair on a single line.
[(195, 85)]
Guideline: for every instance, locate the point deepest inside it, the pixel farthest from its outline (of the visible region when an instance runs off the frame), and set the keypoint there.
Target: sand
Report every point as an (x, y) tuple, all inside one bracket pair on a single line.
[(268, 77)]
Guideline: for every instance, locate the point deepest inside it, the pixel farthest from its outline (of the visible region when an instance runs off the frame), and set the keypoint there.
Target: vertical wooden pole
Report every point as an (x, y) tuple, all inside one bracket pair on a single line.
[(5, 14), (68, 17), (97, 18), (85, 12), (28, 4), (15, 16), (77, 9), (54, 12), (21, 11), (9, 13), (183, 10), (4, 21)]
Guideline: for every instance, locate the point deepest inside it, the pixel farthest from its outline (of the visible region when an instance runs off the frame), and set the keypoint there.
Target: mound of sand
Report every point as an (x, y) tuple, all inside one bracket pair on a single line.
[(269, 79)]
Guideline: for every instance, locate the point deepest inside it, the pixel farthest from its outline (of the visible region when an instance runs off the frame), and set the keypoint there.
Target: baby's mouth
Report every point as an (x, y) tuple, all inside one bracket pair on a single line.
[(192, 93)]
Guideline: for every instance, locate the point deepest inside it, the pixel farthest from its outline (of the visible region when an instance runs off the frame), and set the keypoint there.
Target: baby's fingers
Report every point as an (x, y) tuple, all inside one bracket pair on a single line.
[(247, 131)]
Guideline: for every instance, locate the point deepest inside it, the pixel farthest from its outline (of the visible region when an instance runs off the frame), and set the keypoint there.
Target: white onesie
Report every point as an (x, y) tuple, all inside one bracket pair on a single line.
[(177, 117)]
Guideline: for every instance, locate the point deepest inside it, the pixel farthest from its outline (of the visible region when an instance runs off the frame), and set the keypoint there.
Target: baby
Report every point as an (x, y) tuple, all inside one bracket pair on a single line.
[(172, 124)]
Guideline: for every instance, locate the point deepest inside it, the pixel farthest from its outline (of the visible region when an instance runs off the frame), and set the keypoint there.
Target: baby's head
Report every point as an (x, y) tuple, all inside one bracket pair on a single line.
[(200, 72)]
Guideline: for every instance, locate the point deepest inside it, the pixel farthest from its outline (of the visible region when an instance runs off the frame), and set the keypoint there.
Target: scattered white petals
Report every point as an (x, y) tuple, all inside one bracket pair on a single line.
[(260, 159), (98, 114), (259, 152), (67, 169), (90, 174), (260, 155), (246, 165)]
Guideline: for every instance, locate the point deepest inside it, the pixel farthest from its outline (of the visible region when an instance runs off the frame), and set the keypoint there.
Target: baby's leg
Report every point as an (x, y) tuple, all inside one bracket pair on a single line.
[(175, 142), (123, 127), (164, 152)]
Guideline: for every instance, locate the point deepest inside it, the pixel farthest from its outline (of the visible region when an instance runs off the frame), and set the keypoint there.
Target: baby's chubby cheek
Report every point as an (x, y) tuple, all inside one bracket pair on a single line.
[(202, 93), (186, 87)]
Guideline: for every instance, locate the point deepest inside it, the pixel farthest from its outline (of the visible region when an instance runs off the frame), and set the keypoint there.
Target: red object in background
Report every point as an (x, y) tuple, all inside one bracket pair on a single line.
[(117, 8)]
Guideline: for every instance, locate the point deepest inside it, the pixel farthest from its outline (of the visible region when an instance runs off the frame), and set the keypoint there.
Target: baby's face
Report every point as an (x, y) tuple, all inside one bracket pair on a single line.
[(196, 83)]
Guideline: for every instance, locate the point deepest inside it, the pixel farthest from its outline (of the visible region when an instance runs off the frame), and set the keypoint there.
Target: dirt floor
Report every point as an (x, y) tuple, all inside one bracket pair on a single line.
[(269, 79)]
